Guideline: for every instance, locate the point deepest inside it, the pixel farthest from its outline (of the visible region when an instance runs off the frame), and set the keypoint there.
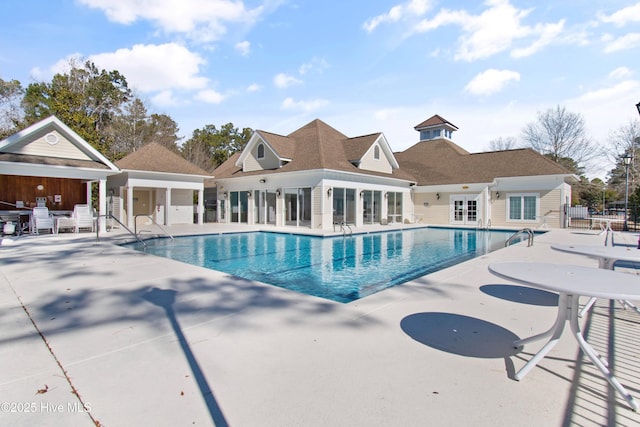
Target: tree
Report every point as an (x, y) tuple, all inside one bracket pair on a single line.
[(593, 194), (128, 131), (625, 141), (134, 128), (209, 147), (560, 134), (164, 131), (11, 93), (85, 99), (568, 163), (501, 144)]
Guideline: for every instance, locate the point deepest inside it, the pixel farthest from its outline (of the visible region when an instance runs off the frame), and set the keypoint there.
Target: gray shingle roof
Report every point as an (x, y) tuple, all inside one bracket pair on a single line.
[(433, 162), (154, 157), (434, 120), (441, 161), (314, 146)]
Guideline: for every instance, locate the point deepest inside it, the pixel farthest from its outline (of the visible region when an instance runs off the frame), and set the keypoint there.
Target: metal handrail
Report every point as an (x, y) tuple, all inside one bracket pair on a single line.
[(97, 218), (344, 232), (135, 225), (15, 206), (519, 232)]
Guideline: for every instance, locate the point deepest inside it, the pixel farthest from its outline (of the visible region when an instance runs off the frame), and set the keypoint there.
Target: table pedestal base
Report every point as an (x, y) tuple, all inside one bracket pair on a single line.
[(568, 310)]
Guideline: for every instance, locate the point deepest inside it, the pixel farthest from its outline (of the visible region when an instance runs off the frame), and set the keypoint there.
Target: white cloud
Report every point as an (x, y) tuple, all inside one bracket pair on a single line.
[(398, 12), (612, 93), (495, 30), (491, 81), (255, 87), (548, 33), (210, 96), (151, 68), (62, 66), (283, 81), (165, 98), (620, 73), (623, 16), (306, 106), (387, 114), (626, 42), (201, 20), (244, 48), (318, 64)]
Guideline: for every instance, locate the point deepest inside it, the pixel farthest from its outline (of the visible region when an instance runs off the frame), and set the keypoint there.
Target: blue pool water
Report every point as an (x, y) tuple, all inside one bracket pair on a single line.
[(340, 268)]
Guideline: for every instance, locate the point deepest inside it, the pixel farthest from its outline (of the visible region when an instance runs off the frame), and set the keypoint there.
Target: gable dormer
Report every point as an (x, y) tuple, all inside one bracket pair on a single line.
[(435, 127), (52, 139), (371, 152), (261, 153)]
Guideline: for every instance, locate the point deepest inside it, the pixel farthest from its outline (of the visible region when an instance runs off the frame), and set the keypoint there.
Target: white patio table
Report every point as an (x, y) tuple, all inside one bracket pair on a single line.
[(571, 282), (605, 224), (607, 257)]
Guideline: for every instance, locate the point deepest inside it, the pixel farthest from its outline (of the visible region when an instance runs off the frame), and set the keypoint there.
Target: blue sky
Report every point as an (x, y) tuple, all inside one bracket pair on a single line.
[(362, 66)]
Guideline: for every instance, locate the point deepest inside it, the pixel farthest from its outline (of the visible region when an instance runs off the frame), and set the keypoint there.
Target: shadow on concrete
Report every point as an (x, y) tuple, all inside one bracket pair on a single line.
[(611, 330), (522, 294), (165, 299), (461, 335)]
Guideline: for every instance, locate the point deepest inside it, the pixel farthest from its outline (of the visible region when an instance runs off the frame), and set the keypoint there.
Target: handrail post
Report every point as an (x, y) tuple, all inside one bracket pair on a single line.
[(123, 226)]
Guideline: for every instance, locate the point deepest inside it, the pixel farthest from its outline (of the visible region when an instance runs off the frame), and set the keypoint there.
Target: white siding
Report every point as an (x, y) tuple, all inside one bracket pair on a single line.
[(269, 161), (39, 146), (181, 207), (369, 162), (436, 211)]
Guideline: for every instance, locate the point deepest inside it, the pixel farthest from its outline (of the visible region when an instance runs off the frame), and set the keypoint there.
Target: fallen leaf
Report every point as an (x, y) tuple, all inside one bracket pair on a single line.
[(43, 390)]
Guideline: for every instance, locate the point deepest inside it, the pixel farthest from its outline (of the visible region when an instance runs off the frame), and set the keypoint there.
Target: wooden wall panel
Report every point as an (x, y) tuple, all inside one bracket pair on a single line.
[(25, 188)]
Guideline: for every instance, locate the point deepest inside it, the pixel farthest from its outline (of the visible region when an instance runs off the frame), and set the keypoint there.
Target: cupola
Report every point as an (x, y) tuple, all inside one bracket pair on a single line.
[(435, 127)]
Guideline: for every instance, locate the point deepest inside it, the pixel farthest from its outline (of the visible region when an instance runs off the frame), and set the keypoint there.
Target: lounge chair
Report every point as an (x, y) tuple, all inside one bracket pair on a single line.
[(83, 217), (41, 219)]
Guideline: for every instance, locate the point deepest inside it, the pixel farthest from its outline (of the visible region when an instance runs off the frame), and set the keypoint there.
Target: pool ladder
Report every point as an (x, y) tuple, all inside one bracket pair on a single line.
[(481, 226), (109, 216), (138, 233), (344, 227), (518, 233)]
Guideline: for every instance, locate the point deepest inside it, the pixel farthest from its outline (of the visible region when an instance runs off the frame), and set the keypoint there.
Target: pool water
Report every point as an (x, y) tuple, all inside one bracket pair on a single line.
[(341, 269)]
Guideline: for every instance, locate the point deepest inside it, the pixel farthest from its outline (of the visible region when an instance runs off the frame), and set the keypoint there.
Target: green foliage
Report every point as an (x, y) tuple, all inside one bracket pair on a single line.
[(134, 128), (209, 147), (568, 163), (85, 99)]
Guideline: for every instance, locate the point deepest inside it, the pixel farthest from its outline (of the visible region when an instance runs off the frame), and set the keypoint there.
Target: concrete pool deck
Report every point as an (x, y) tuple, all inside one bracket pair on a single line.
[(143, 340)]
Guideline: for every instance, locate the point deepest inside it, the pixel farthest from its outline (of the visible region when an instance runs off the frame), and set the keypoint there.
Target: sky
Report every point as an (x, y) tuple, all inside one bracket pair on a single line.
[(360, 66)]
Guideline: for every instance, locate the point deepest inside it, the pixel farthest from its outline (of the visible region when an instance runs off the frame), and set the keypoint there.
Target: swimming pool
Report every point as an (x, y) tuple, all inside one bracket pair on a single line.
[(341, 269)]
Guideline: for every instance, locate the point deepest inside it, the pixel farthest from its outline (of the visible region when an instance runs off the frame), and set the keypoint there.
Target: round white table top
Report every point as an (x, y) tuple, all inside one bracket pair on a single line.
[(571, 279), (621, 253)]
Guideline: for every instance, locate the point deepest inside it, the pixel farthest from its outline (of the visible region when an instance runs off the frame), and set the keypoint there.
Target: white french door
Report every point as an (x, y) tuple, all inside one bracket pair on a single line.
[(464, 210)]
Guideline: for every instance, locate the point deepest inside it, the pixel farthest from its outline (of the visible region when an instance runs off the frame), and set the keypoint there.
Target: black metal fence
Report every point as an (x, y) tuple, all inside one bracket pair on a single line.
[(598, 220)]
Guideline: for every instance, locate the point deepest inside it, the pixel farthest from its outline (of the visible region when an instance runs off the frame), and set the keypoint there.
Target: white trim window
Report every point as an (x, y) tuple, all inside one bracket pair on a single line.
[(523, 207)]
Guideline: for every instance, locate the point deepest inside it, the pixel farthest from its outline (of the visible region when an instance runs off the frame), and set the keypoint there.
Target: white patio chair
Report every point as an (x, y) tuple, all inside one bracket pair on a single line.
[(41, 219), (83, 217)]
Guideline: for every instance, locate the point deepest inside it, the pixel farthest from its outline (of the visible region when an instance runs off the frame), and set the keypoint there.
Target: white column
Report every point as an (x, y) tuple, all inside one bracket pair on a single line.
[(102, 205), (200, 206), (167, 208), (89, 192), (130, 207)]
